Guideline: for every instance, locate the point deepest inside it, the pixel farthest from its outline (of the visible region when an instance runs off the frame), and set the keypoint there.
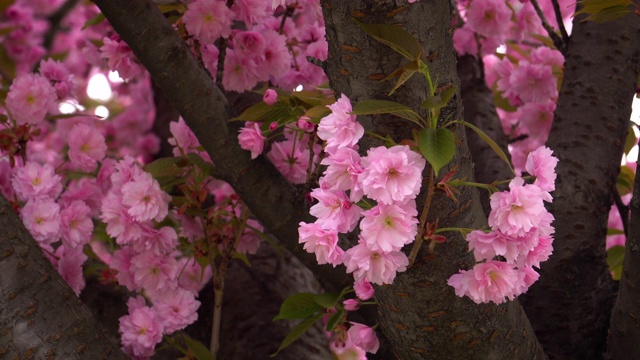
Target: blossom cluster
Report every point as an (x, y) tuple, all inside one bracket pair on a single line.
[(520, 238)]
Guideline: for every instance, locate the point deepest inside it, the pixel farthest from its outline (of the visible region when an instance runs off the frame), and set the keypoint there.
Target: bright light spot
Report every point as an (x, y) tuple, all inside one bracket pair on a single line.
[(633, 154), (102, 112), (299, 88), (67, 108), (502, 49), (114, 77), (635, 110), (98, 88)]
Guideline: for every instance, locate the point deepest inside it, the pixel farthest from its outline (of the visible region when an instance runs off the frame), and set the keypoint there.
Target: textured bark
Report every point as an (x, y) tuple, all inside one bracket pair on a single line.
[(420, 314), (278, 205), (40, 316), (480, 110), (625, 328), (165, 114), (571, 303)]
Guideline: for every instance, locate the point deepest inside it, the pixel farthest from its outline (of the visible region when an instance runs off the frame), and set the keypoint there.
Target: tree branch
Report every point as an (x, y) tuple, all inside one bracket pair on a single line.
[(276, 203), (557, 40)]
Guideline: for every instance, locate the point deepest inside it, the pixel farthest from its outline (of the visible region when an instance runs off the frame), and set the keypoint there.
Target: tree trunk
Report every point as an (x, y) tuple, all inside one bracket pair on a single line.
[(570, 305), (420, 314), (40, 316)]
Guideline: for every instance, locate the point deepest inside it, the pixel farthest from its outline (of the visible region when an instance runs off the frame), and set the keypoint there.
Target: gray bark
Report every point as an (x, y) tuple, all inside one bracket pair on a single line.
[(570, 305), (40, 316)]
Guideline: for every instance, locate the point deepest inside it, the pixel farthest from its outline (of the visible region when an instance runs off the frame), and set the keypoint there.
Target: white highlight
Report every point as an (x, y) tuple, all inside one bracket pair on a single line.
[(98, 88), (102, 112), (299, 88), (114, 77)]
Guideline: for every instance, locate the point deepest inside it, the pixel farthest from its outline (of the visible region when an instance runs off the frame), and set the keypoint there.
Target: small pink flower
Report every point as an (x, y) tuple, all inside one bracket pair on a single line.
[(489, 281), (42, 218), (59, 77), (377, 267), (291, 161), (340, 128), (250, 241), (364, 337), (208, 20), (29, 99), (240, 73), (488, 17), (351, 304), (145, 199), (270, 97), (70, 268), (533, 82), (175, 309), (364, 290), (251, 138), (323, 243), (141, 331), (343, 169), (36, 181), (389, 227), (76, 224), (154, 273), (86, 147), (120, 58), (334, 210), (392, 174), (542, 164)]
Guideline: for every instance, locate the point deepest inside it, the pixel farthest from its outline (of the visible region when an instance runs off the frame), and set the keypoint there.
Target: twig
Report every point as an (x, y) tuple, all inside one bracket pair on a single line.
[(623, 210), (560, 21), (423, 220), (557, 40)]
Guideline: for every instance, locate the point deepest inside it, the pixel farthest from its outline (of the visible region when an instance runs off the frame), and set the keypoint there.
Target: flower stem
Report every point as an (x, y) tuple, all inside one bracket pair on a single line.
[(423, 220)]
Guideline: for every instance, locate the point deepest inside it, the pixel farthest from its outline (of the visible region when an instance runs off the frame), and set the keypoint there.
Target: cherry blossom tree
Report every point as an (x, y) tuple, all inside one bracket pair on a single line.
[(406, 179)]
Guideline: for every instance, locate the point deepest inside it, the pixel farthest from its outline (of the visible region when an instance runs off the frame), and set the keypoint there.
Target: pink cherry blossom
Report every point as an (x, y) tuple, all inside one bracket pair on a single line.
[(291, 160), (175, 309), (343, 169), (351, 304), (389, 227), (392, 174), (42, 218), (377, 267), (340, 128), (76, 224), (364, 337), (251, 138), (240, 73), (36, 181), (154, 273), (542, 164), (208, 20), (86, 147), (250, 11), (59, 77), (533, 82), (70, 268), (120, 58), (141, 330), (29, 99), (323, 243), (488, 17), (517, 211), (277, 58), (250, 241), (334, 210), (489, 281), (145, 199), (364, 290)]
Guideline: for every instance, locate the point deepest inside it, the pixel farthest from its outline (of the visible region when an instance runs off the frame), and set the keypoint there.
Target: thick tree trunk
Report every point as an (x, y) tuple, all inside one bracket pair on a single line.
[(40, 316), (625, 329), (420, 314), (571, 304)]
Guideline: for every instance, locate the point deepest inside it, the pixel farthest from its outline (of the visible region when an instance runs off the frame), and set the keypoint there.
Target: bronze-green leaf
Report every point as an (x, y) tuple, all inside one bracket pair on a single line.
[(373, 107), (395, 37), (438, 146)]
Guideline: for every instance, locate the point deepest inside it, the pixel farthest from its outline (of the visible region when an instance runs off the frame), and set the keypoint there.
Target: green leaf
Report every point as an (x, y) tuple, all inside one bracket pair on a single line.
[(437, 146), (615, 259), (624, 184), (317, 112), (242, 257), (604, 10), (612, 231), (333, 319), (206, 167), (164, 167), (297, 331), (503, 103), (298, 306), (371, 107), (403, 74), (395, 37), (630, 142), (326, 300), (197, 349), (489, 142), (280, 112), (94, 21)]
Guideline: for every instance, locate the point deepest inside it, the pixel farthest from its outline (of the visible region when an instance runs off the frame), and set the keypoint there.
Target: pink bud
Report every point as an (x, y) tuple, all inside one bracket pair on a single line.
[(351, 304), (273, 126), (270, 97), (304, 124)]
